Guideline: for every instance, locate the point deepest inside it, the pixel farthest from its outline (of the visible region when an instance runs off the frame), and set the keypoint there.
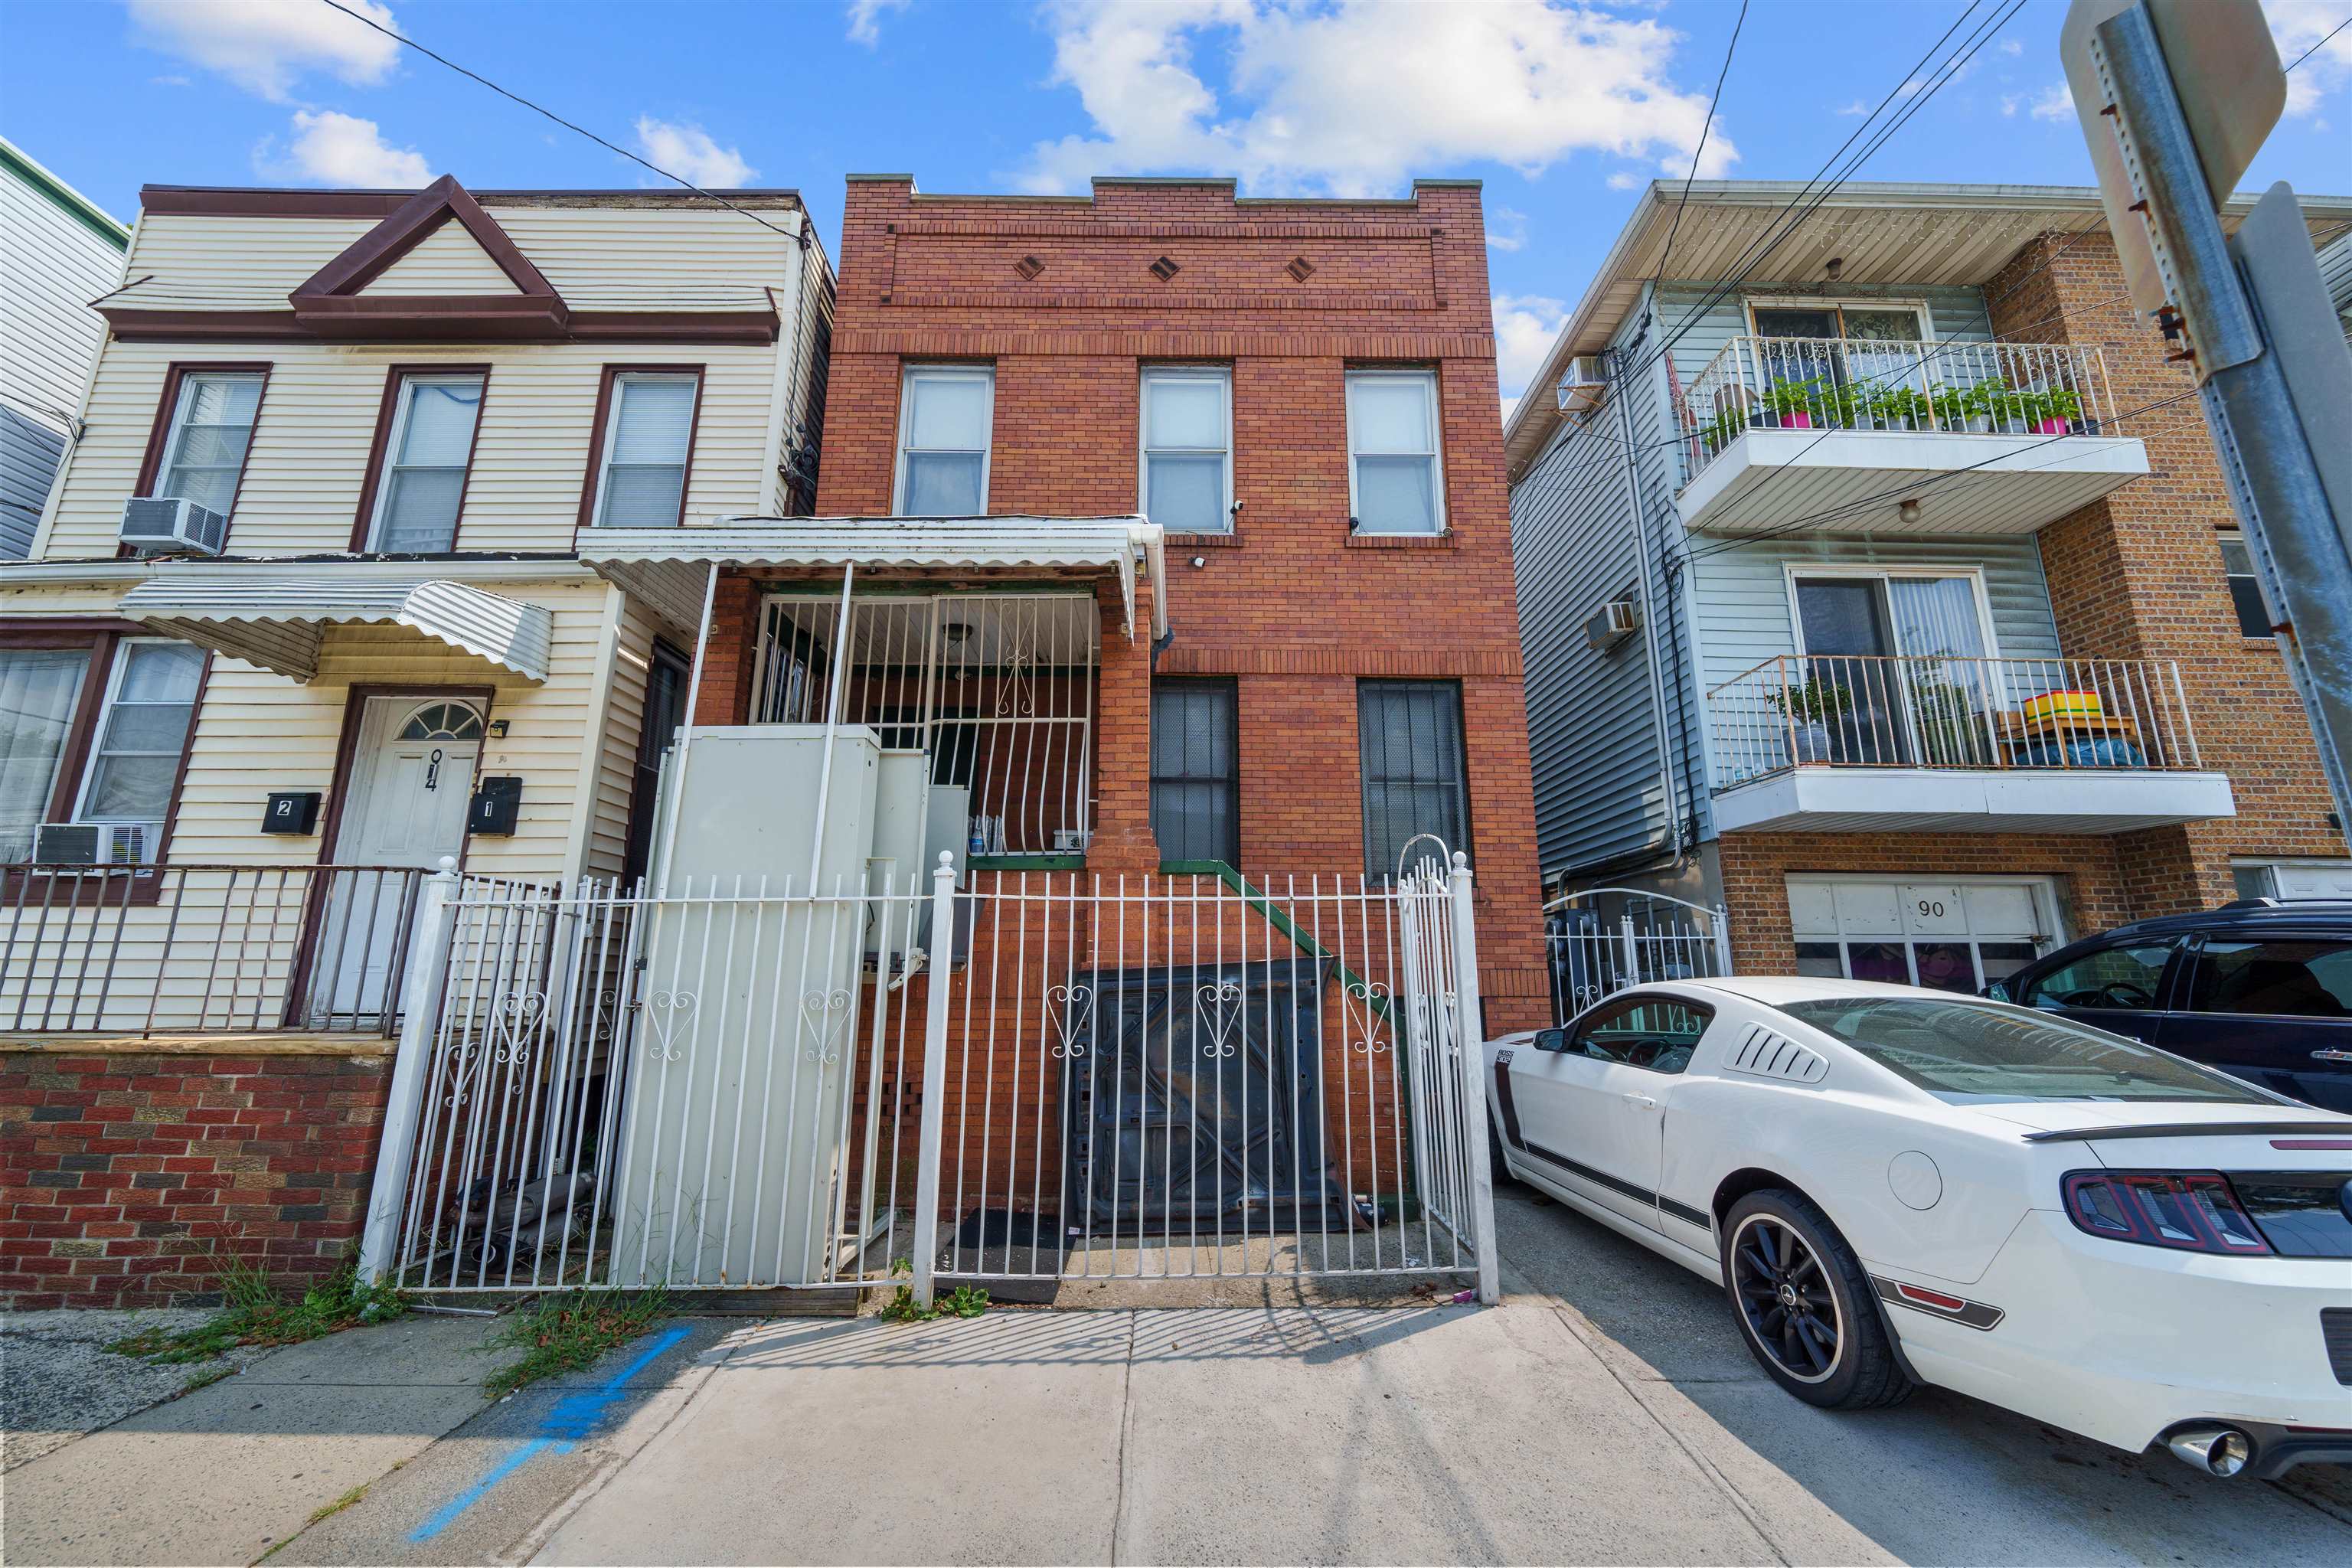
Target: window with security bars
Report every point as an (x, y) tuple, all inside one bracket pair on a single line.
[(1409, 736), (1195, 772)]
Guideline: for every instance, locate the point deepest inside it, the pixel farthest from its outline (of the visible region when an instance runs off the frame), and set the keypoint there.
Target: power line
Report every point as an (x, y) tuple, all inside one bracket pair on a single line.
[(1703, 131), (568, 125), (2316, 47)]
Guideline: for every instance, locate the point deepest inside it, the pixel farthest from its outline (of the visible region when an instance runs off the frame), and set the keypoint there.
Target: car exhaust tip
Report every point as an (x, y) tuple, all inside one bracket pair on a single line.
[(2217, 1450)]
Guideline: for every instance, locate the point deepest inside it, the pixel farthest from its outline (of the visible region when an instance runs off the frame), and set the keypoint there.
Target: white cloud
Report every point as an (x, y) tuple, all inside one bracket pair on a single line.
[(2052, 102), (687, 152), (866, 19), (2012, 48), (2297, 25), (1507, 228), (1526, 326), (1857, 108), (1626, 180), (332, 148), (266, 45), (1352, 96)]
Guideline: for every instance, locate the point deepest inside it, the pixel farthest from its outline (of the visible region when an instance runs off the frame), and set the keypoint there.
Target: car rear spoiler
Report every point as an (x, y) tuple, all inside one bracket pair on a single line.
[(2186, 1130)]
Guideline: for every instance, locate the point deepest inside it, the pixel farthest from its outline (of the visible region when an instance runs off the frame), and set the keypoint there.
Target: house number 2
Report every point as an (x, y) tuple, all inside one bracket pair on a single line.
[(433, 777)]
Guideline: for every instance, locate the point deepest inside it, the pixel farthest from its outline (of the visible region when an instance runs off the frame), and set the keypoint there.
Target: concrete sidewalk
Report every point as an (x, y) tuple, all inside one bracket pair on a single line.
[(1437, 1435)]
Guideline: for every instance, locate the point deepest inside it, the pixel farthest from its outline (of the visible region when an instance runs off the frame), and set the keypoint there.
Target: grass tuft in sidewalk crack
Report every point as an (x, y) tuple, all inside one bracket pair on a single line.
[(563, 1334), (255, 1312)]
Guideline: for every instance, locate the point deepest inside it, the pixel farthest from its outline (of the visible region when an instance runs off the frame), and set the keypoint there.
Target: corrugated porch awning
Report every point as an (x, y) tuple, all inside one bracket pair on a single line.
[(667, 567), (268, 618)]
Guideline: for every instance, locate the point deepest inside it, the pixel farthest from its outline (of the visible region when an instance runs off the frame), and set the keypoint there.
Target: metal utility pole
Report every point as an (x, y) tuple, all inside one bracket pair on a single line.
[(2175, 97)]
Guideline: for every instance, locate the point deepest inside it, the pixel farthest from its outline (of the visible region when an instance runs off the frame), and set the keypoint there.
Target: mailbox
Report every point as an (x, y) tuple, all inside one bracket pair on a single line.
[(294, 811), (497, 803)]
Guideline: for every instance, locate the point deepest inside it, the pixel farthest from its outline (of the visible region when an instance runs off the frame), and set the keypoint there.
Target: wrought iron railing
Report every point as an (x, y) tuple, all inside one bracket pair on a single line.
[(1855, 384), (2086, 715), (203, 949)]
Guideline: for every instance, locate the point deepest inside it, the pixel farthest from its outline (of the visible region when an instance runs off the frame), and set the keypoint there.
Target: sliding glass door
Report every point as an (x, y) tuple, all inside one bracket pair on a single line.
[(1894, 671)]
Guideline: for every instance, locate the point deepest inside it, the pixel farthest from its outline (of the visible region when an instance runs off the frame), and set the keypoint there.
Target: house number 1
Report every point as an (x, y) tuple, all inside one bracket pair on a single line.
[(432, 770)]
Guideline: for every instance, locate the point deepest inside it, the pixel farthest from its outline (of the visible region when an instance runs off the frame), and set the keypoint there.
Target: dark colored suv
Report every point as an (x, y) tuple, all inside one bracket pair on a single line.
[(2258, 988)]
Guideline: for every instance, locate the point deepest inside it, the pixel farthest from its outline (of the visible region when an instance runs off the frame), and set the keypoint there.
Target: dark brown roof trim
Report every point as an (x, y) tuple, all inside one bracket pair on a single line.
[(239, 201), (501, 318), (408, 226)]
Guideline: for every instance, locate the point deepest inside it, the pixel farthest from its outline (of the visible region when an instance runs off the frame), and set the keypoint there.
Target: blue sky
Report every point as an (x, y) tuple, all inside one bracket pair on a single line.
[(1563, 110)]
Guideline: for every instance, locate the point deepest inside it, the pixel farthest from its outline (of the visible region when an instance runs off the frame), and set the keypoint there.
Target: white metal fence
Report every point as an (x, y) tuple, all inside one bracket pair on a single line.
[(1037, 1076), (1650, 936)]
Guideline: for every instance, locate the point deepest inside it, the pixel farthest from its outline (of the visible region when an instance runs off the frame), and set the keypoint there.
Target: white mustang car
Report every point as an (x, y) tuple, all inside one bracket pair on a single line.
[(1899, 1186)]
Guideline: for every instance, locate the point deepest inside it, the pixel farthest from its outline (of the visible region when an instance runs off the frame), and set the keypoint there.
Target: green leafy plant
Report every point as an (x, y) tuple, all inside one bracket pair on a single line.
[(1811, 701), (255, 1312), (1807, 398), (964, 1301), (563, 1334), (1900, 407)]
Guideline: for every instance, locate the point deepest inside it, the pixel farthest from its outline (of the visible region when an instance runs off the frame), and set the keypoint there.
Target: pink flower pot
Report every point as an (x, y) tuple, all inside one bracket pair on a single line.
[(1796, 421), (2050, 427)]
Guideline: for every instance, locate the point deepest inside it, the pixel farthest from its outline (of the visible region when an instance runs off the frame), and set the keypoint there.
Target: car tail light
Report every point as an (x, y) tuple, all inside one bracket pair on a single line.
[(2195, 1211)]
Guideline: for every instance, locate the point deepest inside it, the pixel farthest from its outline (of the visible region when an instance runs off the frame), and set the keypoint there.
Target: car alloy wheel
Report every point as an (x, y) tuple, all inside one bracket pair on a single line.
[(1786, 1299)]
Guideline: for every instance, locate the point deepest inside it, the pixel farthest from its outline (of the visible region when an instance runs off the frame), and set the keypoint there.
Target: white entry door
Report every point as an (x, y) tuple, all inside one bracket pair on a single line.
[(412, 778)]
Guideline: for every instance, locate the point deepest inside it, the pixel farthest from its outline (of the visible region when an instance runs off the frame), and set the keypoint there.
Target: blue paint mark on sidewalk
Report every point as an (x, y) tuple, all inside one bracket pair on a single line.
[(573, 1418)]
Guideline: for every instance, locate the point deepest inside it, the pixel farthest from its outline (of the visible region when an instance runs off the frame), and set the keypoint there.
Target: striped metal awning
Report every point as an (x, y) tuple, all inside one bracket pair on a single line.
[(666, 567), (265, 616)]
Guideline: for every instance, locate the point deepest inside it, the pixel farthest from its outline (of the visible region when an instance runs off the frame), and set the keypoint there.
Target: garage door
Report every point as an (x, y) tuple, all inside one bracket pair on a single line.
[(2294, 879), (1953, 936)]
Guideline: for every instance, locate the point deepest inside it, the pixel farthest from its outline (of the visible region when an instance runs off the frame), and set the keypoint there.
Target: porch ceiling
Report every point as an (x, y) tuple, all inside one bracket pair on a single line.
[(268, 618), (667, 567)]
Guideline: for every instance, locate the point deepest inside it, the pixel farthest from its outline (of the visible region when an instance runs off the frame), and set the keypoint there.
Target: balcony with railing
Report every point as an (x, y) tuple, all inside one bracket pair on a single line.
[(1839, 743), (1854, 436)]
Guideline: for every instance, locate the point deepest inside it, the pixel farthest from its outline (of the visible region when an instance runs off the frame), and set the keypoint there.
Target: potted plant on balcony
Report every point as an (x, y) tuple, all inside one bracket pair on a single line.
[(2051, 412), (1795, 405), (1812, 705), (1900, 408)]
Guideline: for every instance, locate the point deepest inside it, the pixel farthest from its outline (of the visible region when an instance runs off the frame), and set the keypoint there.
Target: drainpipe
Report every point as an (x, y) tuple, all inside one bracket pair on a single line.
[(686, 731), (1671, 840)]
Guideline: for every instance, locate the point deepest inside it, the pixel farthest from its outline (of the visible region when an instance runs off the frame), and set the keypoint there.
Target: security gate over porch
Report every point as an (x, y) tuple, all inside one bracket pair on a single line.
[(1033, 1075)]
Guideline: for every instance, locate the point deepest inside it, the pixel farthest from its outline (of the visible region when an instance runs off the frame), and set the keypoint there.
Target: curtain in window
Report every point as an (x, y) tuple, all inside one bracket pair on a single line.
[(37, 690), (208, 448), (645, 467), (142, 734), (1945, 685), (1392, 423), (428, 470), (1409, 736), (1184, 452)]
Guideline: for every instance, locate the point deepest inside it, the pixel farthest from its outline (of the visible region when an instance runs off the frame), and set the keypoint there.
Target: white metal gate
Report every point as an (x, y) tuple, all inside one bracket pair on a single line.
[(1036, 1076), (1652, 936)]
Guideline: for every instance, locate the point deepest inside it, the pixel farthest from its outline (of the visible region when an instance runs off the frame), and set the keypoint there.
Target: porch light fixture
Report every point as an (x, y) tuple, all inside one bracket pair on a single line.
[(956, 632), (1907, 508), (1837, 265)]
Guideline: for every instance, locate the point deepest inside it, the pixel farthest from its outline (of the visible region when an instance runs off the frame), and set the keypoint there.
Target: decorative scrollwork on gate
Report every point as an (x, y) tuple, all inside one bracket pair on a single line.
[(1220, 1007), (1068, 1008), (827, 1013), (1366, 1013), (518, 1015), (665, 1013)]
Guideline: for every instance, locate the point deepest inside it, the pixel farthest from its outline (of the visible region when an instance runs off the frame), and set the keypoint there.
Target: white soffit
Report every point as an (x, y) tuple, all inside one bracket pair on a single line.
[(276, 621)]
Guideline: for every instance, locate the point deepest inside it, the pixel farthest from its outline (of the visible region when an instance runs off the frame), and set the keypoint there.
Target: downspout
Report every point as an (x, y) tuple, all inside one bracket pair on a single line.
[(1670, 840), (685, 731)]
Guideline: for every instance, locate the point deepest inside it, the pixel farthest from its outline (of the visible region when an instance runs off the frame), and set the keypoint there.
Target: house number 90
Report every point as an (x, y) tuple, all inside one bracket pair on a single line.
[(1928, 909), (433, 780)]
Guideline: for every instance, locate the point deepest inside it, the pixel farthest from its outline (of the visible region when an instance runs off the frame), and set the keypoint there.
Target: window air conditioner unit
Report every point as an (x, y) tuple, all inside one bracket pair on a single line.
[(89, 844), (1612, 623), (158, 525), (1580, 388)]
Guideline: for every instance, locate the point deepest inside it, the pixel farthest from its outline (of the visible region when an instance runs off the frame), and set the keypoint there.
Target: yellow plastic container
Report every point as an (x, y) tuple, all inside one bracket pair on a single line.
[(2062, 705)]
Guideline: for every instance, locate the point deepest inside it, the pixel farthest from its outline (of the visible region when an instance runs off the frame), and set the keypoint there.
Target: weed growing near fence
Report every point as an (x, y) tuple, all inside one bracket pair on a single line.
[(254, 1313), (563, 1334), (964, 1301)]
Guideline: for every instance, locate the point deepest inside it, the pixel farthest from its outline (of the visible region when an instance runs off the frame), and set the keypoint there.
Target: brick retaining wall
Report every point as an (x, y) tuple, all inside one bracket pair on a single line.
[(127, 1175)]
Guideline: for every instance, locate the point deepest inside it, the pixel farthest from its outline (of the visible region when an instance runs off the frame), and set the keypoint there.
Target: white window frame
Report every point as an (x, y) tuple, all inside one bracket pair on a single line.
[(2043, 891), (402, 403), (1792, 570), (1436, 448), (1222, 377), (984, 374), (118, 668), (1919, 310), (611, 444), (183, 400)]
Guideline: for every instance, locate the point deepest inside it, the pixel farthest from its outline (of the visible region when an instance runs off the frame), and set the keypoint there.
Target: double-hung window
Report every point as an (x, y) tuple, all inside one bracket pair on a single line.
[(40, 688), (2245, 588), (134, 756), (212, 430), (1409, 733), (945, 414), (649, 433), (1188, 438), (1194, 773), (1395, 480), (134, 740), (426, 454)]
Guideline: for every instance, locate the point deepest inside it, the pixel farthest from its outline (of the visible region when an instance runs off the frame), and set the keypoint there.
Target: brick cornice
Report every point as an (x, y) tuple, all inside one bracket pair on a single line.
[(1432, 662), (965, 342)]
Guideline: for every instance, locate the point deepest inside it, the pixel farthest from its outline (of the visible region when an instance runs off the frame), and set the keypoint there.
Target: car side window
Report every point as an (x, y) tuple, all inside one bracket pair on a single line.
[(1654, 1033), (2285, 979), (2128, 978)]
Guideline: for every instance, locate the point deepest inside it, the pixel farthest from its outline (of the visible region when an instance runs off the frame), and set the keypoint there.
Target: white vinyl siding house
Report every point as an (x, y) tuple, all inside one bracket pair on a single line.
[(62, 252)]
